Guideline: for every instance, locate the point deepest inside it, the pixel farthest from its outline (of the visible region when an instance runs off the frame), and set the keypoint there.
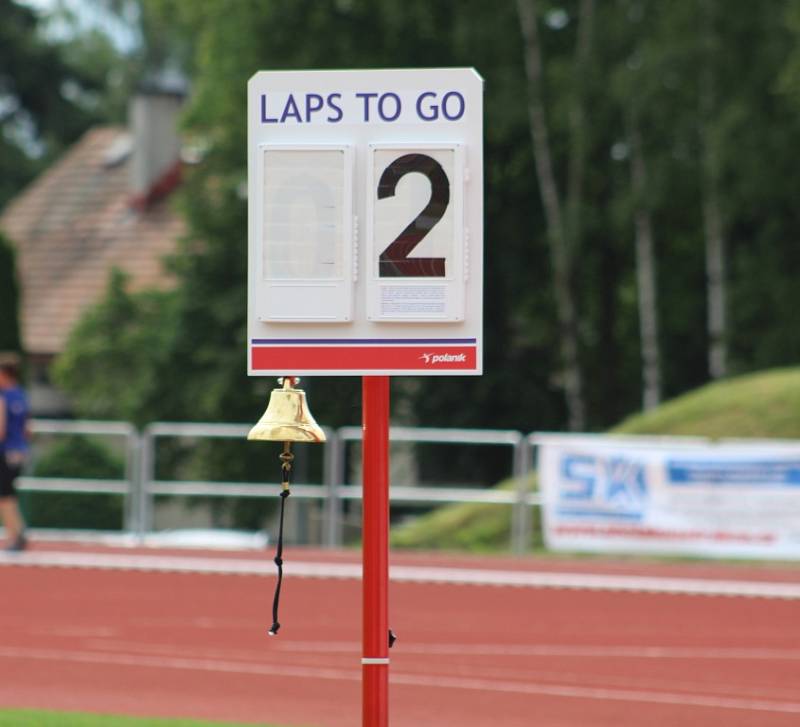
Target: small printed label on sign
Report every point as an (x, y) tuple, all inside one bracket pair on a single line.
[(413, 299)]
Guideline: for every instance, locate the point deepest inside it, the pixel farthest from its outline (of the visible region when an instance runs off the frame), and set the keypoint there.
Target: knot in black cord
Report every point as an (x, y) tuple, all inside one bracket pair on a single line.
[(286, 467)]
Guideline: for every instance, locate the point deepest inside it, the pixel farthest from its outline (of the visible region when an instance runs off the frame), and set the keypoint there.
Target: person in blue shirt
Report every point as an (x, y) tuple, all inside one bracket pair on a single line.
[(14, 447)]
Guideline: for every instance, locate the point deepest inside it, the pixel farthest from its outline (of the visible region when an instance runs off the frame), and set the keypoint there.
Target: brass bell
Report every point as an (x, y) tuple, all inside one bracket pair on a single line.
[(287, 418)]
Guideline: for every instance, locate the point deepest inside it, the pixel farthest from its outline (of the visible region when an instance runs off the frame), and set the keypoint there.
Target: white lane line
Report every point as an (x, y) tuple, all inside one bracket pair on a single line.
[(295, 647), (559, 650), (615, 695), (192, 664), (591, 581), (309, 653), (410, 574), (432, 681)]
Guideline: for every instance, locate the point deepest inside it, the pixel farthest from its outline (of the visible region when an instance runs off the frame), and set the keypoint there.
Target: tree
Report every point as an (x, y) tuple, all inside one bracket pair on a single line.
[(645, 272), (115, 359), (199, 372), (45, 102), (627, 85), (621, 123), (9, 294), (712, 214), (713, 126), (563, 234)]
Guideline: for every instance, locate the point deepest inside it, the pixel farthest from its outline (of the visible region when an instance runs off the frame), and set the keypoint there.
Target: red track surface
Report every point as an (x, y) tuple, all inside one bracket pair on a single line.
[(171, 644)]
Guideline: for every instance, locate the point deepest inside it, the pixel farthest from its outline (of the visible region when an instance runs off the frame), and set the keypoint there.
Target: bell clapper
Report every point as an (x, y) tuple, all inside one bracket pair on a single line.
[(286, 458)]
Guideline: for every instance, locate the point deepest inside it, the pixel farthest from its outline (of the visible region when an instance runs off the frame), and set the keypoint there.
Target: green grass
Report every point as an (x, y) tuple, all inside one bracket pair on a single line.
[(761, 405), (39, 718), (468, 526)]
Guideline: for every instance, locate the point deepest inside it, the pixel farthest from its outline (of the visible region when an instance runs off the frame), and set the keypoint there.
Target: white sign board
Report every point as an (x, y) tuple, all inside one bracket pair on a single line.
[(650, 495), (365, 222)]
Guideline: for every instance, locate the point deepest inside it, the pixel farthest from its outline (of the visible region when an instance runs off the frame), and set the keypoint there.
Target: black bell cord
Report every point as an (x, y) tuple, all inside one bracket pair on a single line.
[(286, 458)]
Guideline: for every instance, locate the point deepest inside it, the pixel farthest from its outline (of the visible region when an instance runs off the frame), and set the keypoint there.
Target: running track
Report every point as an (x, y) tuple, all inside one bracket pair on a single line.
[(551, 643)]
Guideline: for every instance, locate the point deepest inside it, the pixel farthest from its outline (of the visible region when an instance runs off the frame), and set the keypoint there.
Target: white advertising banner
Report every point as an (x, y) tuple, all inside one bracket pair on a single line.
[(670, 496)]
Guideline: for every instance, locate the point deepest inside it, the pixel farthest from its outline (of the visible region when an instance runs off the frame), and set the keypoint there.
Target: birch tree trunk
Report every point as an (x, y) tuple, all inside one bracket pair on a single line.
[(645, 274), (712, 215), (577, 126), (562, 244), (715, 275)]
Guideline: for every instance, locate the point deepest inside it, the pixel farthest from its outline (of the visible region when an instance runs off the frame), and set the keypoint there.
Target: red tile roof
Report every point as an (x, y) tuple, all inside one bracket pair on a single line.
[(71, 226)]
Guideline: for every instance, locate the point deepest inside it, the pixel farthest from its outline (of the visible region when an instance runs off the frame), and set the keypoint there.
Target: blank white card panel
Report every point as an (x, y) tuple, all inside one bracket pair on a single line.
[(306, 234)]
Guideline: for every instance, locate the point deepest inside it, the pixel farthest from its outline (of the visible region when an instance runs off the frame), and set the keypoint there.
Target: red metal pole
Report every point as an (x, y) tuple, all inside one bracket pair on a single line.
[(375, 585)]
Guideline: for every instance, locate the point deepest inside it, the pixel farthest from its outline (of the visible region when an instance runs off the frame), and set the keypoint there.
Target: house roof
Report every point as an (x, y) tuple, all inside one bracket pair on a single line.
[(75, 223)]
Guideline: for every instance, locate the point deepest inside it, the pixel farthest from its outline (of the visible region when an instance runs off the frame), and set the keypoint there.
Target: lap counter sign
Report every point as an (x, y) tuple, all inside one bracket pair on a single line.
[(365, 258)]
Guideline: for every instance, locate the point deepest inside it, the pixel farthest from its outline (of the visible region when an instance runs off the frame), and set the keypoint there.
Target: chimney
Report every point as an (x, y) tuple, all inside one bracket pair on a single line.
[(155, 159)]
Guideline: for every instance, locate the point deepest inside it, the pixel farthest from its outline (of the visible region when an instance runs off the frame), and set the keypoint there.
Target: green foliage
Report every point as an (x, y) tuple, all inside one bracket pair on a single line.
[(76, 456), (9, 298), (47, 718), (197, 371), (112, 357), (46, 102), (79, 456), (210, 339), (181, 355)]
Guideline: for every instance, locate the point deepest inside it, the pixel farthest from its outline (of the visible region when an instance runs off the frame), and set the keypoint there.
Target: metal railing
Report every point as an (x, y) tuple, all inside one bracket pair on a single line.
[(520, 498), (149, 486), (126, 486), (141, 485)]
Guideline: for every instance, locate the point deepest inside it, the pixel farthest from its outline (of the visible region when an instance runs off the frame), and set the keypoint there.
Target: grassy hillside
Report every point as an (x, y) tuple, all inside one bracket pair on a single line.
[(469, 526), (764, 404), (761, 405)]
